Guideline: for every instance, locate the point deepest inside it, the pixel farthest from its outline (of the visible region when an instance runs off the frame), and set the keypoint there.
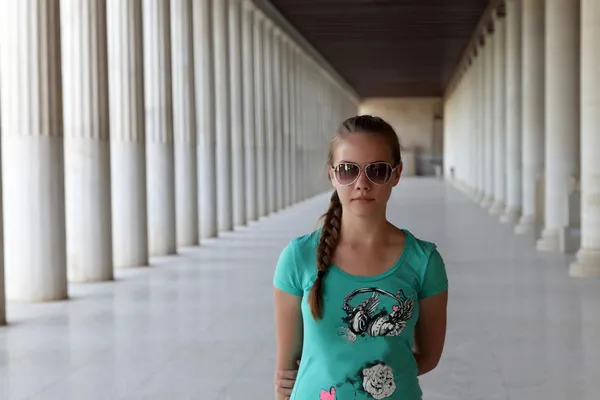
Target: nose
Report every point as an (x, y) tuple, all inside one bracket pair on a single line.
[(362, 183)]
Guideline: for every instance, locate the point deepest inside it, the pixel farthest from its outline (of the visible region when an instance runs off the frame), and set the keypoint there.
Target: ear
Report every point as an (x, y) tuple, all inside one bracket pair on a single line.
[(329, 173)]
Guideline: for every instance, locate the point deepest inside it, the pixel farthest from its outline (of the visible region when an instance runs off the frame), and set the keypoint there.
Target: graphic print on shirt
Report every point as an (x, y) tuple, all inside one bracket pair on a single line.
[(370, 318), (375, 380)]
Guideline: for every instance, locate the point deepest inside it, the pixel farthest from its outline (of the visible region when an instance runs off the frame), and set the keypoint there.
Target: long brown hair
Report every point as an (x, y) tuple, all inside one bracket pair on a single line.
[(332, 219)]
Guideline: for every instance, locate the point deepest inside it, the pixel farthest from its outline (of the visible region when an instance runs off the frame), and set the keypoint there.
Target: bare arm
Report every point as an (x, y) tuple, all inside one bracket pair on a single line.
[(288, 332), (430, 332)]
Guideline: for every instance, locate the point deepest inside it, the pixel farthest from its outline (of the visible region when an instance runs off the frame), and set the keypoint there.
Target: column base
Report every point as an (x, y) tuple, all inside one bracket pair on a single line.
[(550, 241), (487, 201), (497, 208), (511, 215), (587, 264), (526, 225)]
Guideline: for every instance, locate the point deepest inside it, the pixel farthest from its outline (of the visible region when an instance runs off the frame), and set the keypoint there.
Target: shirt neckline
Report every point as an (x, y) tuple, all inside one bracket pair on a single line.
[(407, 244)]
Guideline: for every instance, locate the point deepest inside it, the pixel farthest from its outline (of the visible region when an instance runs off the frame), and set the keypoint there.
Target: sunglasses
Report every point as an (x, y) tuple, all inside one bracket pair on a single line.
[(346, 173)]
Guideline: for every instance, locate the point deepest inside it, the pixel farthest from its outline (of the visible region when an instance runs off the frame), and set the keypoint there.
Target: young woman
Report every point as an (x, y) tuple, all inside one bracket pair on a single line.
[(360, 302)]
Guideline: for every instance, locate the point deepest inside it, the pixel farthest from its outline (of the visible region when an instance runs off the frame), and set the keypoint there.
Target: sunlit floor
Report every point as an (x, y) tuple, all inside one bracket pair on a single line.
[(199, 325)]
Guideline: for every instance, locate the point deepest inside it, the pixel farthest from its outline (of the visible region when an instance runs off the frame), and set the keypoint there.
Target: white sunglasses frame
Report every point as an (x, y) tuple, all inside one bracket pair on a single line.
[(362, 169)]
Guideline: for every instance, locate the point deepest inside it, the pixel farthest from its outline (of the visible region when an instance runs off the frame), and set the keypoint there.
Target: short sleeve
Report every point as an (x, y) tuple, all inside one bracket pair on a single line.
[(435, 279), (286, 277)]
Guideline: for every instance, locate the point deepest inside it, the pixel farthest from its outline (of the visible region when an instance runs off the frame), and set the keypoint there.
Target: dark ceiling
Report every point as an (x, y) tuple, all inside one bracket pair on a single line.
[(388, 48)]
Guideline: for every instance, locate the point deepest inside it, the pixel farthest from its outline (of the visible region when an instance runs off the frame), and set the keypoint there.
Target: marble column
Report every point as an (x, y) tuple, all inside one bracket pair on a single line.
[(268, 87), (160, 163), (86, 140), (562, 115), (298, 124), (236, 96), (223, 114), (490, 67), (278, 119), (127, 133), (499, 127), (184, 124), (533, 109), (293, 161), (587, 263), (250, 109), (260, 112), (2, 287), (481, 116), (285, 157), (513, 113), (205, 117), (32, 151)]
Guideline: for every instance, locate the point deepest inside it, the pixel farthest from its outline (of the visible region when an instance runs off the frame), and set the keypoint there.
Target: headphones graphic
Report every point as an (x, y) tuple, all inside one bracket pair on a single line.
[(365, 319)]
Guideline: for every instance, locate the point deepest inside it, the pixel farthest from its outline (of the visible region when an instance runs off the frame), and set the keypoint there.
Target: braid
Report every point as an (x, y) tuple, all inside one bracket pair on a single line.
[(328, 241)]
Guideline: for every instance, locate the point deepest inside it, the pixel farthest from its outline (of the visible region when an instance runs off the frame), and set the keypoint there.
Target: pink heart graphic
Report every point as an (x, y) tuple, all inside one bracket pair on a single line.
[(325, 395)]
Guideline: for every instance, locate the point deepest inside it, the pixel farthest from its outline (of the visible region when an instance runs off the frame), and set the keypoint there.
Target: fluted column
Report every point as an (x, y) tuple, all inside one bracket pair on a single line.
[(562, 115), (270, 113), (293, 161), (260, 112), (513, 112), (236, 94), (481, 107), (278, 119), (205, 117), (160, 162), (250, 110), (127, 137), (285, 157), (223, 114), (298, 125), (588, 256), (2, 286), (86, 140), (533, 109), (499, 128), (184, 124), (32, 150), (490, 67)]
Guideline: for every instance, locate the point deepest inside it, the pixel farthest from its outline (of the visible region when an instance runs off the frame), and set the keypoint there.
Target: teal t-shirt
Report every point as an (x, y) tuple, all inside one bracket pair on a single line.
[(362, 347)]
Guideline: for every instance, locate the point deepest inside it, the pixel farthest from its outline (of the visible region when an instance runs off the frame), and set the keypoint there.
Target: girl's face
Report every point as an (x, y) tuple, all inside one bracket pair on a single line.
[(363, 173)]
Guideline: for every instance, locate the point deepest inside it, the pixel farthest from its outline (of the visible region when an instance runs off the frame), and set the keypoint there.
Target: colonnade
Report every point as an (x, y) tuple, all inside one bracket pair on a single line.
[(521, 123), (131, 128)]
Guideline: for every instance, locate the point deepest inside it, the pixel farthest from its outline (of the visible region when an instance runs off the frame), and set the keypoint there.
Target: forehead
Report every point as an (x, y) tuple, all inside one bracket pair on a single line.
[(362, 148)]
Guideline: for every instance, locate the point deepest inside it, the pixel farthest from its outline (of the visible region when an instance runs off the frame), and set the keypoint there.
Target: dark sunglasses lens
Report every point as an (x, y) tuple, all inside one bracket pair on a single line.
[(346, 173), (379, 173)]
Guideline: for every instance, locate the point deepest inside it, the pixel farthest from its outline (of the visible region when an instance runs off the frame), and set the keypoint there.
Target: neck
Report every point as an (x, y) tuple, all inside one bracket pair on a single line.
[(364, 231)]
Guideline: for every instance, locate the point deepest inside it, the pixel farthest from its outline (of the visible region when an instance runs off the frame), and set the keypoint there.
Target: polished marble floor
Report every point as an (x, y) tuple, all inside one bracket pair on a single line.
[(199, 325)]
